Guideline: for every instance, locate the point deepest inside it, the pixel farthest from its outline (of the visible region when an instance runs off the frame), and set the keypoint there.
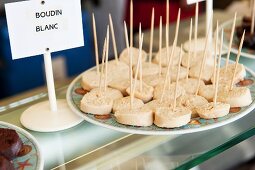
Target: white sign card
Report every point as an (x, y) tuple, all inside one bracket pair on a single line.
[(37, 25), (193, 1)]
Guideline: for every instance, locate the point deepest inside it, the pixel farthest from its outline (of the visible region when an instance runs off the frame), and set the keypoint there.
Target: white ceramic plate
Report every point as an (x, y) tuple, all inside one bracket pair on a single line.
[(196, 125), (32, 160), (227, 26)]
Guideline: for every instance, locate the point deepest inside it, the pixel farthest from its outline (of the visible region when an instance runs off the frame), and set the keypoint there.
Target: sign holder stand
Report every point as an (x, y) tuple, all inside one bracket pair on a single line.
[(53, 115)]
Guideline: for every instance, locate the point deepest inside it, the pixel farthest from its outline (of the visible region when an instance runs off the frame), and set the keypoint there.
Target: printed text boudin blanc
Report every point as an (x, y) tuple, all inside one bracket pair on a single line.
[(48, 27)]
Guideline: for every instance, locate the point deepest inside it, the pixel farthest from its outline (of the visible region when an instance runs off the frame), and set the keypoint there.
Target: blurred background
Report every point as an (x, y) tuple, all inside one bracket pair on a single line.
[(25, 74)]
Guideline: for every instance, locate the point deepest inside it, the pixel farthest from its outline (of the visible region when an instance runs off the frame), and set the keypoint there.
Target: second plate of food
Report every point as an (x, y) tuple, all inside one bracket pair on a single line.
[(29, 156), (227, 26)]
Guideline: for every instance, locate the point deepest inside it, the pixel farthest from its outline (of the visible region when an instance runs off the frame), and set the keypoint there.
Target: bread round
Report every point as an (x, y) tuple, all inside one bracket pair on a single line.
[(164, 57), (153, 80), (117, 70), (166, 117), (190, 85), (148, 69), (110, 93), (237, 97), (196, 59), (200, 45), (121, 85), (145, 95), (193, 102), (168, 93), (208, 91), (124, 56), (211, 111), (206, 73), (94, 104), (90, 80), (134, 117), (124, 104), (173, 72), (226, 76), (98, 103), (154, 104)]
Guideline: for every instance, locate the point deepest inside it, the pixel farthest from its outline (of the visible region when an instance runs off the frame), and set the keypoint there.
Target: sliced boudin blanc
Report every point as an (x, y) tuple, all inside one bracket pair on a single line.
[(145, 95), (226, 76), (237, 97), (125, 104), (153, 80), (124, 56), (173, 72), (164, 57), (211, 111), (196, 59), (148, 69), (190, 85), (167, 117), (134, 117), (206, 74), (121, 85), (168, 93)]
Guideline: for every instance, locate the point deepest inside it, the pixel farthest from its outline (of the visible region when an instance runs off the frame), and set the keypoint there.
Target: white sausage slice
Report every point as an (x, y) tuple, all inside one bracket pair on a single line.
[(209, 111), (164, 57), (237, 97), (121, 85), (134, 117), (190, 85), (124, 56), (168, 93), (166, 117), (145, 95), (124, 104)]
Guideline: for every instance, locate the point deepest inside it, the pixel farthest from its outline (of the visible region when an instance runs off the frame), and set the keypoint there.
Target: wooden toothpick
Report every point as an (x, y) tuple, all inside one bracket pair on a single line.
[(130, 64), (131, 49), (231, 41), (102, 68), (175, 41), (253, 17), (237, 60), (215, 54), (167, 16), (151, 36), (106, 59), (129, 53), (195, 31), (95, 42), (177, 78), (139, 60), (218, 71), (167, 29), (113, 39), (160, 45), (204, 59), (189, 52), (177, 25), (141, 65), (167, 73), (131, 24)]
